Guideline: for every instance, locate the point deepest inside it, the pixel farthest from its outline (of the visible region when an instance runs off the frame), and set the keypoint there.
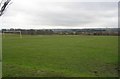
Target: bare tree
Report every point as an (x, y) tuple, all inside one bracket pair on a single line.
[(3, 6)]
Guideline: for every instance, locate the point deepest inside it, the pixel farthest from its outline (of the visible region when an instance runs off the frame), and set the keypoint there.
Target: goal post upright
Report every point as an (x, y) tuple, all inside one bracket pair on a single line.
[(20, 34)]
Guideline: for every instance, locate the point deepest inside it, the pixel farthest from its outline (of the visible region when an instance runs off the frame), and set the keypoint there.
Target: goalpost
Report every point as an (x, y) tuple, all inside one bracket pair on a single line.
[(12, 32)]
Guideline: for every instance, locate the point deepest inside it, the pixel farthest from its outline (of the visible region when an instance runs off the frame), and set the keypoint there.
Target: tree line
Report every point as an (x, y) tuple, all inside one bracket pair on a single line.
[(111, 31)]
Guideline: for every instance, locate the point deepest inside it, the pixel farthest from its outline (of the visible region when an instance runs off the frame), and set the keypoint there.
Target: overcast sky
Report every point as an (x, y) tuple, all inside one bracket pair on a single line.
[(37, 14)]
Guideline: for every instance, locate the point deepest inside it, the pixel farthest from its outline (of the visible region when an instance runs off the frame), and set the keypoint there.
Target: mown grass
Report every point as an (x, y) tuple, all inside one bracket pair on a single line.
[(60, 56), (0, 55)]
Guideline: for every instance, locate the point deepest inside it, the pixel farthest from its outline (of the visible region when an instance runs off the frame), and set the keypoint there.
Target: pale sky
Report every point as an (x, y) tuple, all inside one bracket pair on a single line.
[(72, 14)]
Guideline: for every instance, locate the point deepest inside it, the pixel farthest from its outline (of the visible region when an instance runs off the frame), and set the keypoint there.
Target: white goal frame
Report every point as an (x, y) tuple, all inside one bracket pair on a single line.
[(12, 32)]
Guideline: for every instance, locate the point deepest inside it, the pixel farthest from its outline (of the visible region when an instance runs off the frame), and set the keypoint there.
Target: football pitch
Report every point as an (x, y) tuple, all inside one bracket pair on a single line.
[(60, 56)]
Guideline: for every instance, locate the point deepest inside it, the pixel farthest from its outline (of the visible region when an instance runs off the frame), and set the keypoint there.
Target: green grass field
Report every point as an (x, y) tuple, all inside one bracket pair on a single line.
[(60, 56), (0, 55)]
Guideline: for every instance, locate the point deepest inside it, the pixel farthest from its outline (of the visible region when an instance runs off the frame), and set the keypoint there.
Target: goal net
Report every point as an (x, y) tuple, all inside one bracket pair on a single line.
[(18, 33)]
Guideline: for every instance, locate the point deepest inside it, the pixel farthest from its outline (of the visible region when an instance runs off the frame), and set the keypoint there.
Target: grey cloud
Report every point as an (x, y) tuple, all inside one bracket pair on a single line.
[(66, 14)]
